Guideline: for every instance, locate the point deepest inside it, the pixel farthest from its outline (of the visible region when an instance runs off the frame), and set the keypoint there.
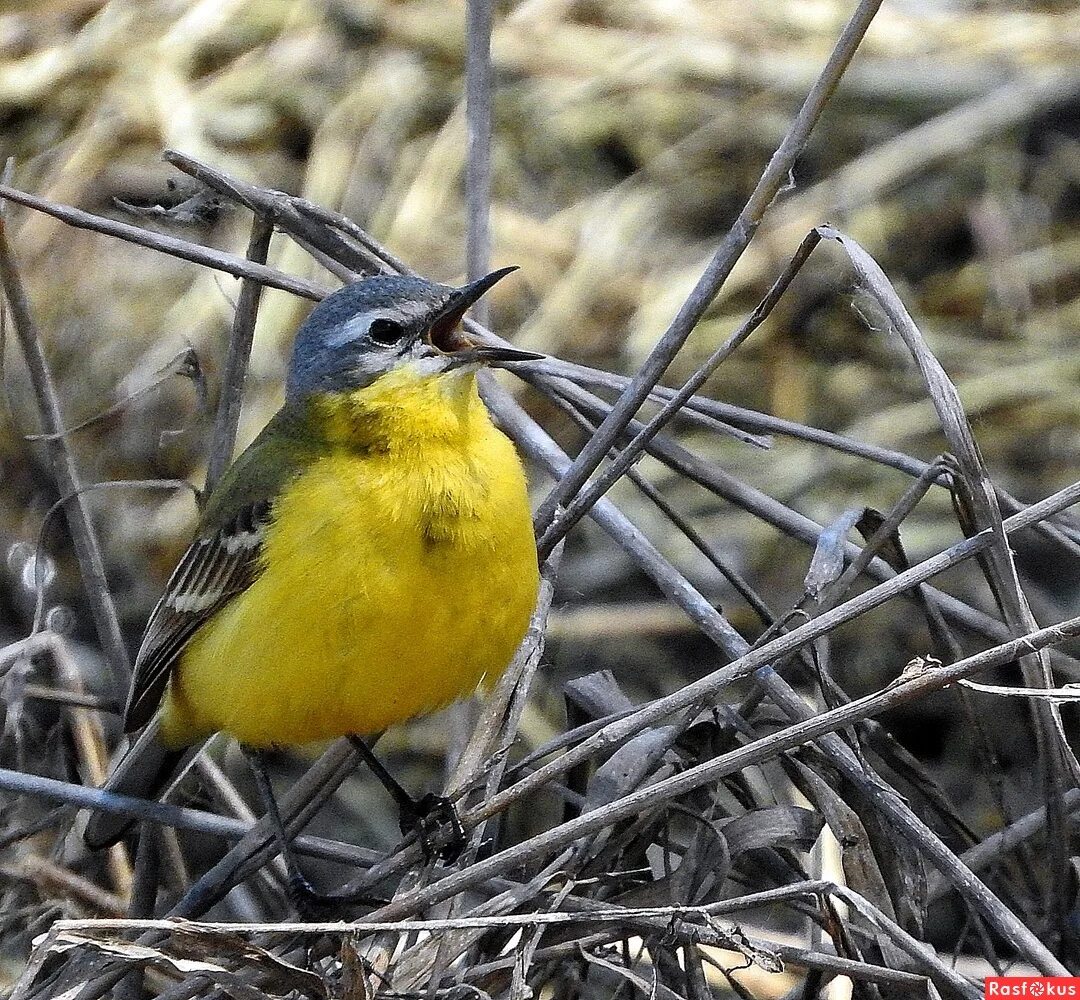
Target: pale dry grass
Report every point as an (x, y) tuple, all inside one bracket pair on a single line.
[(626, 138)]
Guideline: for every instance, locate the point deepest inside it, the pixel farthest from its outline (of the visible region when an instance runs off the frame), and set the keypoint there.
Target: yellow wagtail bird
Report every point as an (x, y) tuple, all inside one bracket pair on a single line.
[(368, 559)]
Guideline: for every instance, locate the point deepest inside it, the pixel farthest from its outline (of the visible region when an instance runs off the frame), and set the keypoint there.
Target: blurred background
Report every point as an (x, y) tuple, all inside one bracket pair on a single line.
[(627, 136)]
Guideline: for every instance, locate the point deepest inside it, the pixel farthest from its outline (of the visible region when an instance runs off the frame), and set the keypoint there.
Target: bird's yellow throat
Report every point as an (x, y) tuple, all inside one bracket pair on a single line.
[(398, 574), (405, 409)]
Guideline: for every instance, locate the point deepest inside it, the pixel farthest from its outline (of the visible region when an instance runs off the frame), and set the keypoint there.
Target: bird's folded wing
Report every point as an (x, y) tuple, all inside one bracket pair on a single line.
[(220, 563), (211, 573)]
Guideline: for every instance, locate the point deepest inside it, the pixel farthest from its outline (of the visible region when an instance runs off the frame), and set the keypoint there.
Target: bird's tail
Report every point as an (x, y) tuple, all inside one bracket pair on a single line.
[(143, 772)]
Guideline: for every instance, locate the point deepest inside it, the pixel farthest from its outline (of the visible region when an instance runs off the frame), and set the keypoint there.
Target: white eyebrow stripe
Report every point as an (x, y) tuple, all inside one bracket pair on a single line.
[(354, 328)]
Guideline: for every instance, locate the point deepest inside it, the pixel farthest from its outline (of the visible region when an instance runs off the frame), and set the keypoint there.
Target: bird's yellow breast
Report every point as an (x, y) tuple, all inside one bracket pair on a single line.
[(398, 574)]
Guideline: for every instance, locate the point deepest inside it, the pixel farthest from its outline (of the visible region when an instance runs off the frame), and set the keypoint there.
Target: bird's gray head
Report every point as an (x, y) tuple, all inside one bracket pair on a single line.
[(365, 329)]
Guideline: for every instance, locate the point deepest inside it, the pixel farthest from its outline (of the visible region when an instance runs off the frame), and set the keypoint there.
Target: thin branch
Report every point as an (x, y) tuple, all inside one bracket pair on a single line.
[(302, 801), (718, 269), (501, 712), (65, 472), (733, 577), (740, 417), (993, 847), (386, 260), (478, 147), (216, 259), (978, 509), (186, 363), (72, 699), (678, 590), (915, 685), (276, 207), (626, 457), (771, 511), (178, 817), (62, 504), (236, 360)]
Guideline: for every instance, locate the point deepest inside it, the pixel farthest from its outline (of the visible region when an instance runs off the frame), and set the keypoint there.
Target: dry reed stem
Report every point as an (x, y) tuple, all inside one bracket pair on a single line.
[(630, 820)]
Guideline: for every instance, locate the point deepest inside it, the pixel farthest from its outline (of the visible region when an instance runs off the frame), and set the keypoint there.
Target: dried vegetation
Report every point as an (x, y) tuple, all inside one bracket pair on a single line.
[(663, 798)]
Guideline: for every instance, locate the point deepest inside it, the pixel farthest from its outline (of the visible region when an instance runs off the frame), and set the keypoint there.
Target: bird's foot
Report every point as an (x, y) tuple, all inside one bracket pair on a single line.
[(437, 826)]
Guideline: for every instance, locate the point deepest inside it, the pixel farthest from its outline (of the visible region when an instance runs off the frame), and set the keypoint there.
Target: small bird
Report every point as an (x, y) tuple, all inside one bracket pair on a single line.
[(368, 559)]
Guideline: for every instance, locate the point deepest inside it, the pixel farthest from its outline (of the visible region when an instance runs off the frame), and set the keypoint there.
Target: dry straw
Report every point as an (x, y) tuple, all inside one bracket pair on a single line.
[(662, 843)]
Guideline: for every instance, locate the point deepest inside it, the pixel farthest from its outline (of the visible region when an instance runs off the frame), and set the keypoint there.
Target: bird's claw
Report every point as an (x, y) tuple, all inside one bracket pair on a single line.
[(437, 826), (305, 897)]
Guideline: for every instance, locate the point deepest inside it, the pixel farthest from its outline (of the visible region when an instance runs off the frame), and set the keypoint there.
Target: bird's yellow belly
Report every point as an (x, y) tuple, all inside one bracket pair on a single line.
[(412, 584)]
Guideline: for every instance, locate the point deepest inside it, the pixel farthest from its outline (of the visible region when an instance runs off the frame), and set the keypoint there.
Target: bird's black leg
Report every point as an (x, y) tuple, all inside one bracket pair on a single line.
[(301, 891), (433, 817)]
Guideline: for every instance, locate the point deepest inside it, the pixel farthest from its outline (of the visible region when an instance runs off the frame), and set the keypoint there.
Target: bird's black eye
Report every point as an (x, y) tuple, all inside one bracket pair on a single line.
[(386, 332)]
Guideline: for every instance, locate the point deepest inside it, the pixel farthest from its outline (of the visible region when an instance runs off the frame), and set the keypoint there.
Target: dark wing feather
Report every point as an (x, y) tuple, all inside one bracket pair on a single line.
[(212, 572), (223, 561)]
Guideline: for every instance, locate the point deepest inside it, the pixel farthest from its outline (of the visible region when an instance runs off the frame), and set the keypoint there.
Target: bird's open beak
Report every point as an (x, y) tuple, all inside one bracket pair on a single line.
[(447, 337)]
